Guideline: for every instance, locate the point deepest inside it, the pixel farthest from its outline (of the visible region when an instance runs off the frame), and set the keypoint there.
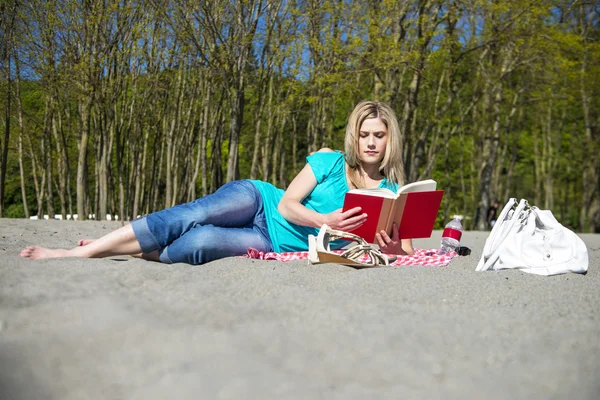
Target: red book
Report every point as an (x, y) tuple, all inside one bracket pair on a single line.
[(413, 208)]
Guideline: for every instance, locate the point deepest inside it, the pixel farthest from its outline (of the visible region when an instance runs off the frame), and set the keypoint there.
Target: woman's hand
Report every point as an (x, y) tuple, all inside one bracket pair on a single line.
[(394, 245), (346, 221)]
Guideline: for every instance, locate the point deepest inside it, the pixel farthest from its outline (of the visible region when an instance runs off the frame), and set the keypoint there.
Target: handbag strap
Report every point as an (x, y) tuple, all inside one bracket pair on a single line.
[(503, 227), (497, 231)]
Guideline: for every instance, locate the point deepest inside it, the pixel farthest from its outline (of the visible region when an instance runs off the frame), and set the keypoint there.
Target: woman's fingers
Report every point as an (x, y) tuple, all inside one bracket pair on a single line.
[(348, 220), (350, 228), (385, 237), (353, 223), (380, 240), (349, 213)]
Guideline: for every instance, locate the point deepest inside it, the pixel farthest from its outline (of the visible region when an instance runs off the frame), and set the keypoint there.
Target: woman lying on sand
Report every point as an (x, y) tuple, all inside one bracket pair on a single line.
[(249, 213)]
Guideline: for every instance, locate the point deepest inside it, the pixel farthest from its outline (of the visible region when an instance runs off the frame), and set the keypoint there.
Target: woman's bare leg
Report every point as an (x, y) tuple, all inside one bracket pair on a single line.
[(119, 242), (153, 256)]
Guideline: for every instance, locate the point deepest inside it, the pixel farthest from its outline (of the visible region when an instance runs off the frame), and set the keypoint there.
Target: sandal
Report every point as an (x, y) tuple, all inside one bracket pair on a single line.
[(319, 251)]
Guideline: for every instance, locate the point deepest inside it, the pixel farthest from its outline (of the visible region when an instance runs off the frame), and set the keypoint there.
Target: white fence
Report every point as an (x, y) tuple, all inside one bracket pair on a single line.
[(74, 217)]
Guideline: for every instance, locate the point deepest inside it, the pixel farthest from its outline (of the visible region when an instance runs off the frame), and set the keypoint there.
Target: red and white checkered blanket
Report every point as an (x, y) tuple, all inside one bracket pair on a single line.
[(422, 257)]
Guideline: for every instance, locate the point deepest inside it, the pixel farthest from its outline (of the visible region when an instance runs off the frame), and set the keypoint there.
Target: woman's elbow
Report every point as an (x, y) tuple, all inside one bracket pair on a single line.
[(283, 209)]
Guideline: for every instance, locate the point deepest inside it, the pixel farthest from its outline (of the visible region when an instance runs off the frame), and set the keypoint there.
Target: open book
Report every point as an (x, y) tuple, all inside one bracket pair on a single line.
[(413, 208)]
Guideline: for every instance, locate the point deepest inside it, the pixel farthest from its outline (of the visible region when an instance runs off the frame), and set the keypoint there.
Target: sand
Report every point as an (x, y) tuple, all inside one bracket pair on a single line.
[(125, 328)]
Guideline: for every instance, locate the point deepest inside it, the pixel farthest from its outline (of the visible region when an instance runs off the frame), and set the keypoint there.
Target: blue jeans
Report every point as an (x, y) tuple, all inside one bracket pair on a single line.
[(223, 224)]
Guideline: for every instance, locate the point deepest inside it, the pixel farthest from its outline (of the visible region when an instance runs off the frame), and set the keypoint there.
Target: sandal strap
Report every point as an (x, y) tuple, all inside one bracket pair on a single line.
[(336, 235), (356, 252)]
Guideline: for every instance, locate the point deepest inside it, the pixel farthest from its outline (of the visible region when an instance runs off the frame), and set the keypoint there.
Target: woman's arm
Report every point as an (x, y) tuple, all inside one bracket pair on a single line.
[(291, 208)]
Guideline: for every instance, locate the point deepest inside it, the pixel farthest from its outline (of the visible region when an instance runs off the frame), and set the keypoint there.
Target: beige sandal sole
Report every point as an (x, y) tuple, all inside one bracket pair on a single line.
[(337, 259)]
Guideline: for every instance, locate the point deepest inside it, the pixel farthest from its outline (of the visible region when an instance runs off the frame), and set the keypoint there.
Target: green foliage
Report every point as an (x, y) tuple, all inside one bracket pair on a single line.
[(15, 210)]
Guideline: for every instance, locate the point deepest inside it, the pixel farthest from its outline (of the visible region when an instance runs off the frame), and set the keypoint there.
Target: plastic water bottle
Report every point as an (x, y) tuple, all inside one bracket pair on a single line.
[(451, 236)]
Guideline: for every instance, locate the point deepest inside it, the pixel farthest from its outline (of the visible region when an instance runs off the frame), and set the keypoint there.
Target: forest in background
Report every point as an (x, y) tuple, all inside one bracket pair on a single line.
[(127, 107)]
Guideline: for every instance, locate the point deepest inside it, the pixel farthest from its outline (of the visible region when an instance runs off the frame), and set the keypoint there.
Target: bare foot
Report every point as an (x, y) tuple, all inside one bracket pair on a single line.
[(36, 253), (84, 242)]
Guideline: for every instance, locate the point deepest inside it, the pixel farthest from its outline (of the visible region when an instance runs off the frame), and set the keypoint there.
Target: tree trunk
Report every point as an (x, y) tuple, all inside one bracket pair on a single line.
[(278, 149), (46, 149), (236, 116), (267, 147), (591, 175), (105, 130), (426, 23), (294, 141), (169, 162), (60, 161), (39, 193), (217, 175), (203, 142), (21, 133), (408, 113), (82, 196), (3, 161), (140, 178), (158, 175), (491, 138), (256, 151)]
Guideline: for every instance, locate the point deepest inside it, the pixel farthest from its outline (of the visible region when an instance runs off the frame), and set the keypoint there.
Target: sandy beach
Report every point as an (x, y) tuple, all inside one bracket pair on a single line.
[(125, 328)]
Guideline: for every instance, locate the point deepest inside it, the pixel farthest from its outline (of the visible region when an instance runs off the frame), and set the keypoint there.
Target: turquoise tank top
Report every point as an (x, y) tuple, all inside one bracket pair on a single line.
[(327, 196)]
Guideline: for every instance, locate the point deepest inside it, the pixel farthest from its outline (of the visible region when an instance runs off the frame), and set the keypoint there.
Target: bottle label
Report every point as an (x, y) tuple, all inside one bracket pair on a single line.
[(452, 233)]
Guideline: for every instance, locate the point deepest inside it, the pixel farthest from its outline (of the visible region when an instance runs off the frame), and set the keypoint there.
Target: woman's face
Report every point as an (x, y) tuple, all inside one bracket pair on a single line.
[(372, 141)]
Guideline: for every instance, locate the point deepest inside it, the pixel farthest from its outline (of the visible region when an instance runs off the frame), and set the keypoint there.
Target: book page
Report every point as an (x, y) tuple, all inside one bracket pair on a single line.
[(381, 192), (420, 186)]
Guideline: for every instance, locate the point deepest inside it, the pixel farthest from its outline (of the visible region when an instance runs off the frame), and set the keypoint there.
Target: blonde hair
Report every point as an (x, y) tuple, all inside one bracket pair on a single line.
[(392, 165)]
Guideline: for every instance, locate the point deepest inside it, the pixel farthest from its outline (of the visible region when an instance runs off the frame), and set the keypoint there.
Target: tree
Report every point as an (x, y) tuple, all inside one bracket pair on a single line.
[(8, 11)]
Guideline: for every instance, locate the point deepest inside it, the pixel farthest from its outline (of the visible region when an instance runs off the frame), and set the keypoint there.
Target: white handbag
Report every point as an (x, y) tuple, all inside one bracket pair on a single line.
[(533, 241)]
